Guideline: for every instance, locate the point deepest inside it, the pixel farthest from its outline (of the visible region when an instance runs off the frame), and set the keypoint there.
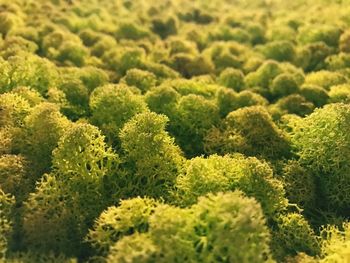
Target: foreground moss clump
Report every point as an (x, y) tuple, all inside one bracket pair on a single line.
[(228, 173), (335, 245), (66, 202), (114, 223), (161, 228)]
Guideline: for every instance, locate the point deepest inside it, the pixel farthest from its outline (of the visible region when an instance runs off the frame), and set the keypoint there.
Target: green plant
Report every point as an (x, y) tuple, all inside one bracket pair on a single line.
[(335, 243), (152, 157), (261, 133), (339, 93), (299, 184), (193, 117), (232, 78), (283, 85), (141, 79), (292, 236), (130, 217), (316, 94), (201, 176), (280, 50), (322, 142), (112, 106), (6, 215)]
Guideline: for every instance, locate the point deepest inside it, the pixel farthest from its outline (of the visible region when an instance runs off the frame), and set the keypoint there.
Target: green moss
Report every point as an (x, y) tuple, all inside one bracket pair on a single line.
[(292, 104), (232, 78), (264, 75), (131, 216), (143, 80), (131, 31), (202, 233), (15, 177), (32, 96), (132, 249), (230, 243), (281, 50), (322, 141), (151, 155), (48, 208), (339, 93), (300, 184), (66, 202), (178, 45), (38, 139), (9, 21), (312, 57), (191, 65), (344, 42), (82, 153), (335, 245), (325, 79), (221, 174), (314, 33), (162, 99), (316, 94), (14, 109), (193, 118), (165, 26), (292, 236), (112, 106), (261, 133), (6, 222), (26, 69), (284, 85), (338, 62)]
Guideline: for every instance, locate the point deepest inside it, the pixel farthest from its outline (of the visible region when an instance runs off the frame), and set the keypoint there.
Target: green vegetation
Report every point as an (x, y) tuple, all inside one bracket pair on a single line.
[(174, 131)]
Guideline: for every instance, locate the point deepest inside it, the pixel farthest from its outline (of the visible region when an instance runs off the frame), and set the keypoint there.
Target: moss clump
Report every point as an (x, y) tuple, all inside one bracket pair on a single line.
[(14, 109), (339, 94), (215, 174), (152, 157), (192, 119), (314, 33), (38, 139), (187, 230), (300, 185), (143, 80), (232, 78), (281, 50), (131, 216), (112, 106), (284, 85), (162, 99), (325, 79), (65, 202), (15, 177), (261, 133), (315, 94), (292, 104), (335, 243), (323, 145), (165, 27), (6, 222), (344, 42), (294, 235)]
